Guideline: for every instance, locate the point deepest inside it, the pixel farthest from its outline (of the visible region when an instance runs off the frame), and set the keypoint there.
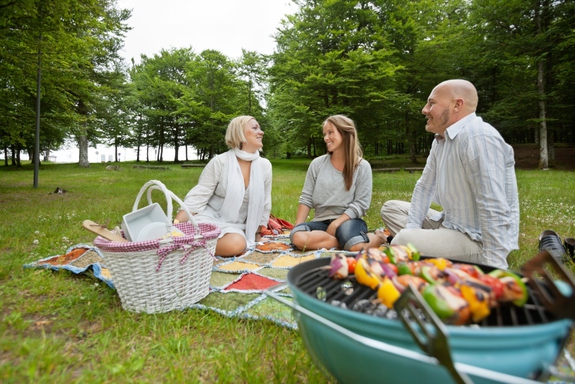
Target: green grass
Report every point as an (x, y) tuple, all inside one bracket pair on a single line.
[(58, 327)]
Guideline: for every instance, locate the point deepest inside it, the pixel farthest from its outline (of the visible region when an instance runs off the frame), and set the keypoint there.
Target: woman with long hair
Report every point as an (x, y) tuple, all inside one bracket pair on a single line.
[(338, 187)]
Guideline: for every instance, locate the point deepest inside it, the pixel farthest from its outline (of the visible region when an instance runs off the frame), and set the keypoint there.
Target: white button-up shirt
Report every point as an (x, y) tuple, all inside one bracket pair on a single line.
[(471, 174)]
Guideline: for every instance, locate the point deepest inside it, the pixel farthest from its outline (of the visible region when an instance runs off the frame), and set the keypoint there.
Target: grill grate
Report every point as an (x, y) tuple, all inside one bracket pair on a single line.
[(349, 294)]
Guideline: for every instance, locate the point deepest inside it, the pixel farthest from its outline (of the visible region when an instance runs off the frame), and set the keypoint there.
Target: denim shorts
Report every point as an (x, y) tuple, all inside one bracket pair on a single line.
[(349, 233)]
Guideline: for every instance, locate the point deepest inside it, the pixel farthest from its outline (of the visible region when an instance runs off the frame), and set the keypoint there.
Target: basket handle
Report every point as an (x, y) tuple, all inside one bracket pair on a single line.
[(169, 194), (158, 185)]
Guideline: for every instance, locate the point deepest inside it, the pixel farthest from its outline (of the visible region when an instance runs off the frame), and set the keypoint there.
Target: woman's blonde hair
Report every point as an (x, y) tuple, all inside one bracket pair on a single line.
[(235, 133), (352, 149)]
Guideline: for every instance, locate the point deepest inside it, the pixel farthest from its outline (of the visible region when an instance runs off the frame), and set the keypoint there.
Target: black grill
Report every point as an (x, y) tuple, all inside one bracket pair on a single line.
[(349, 294)]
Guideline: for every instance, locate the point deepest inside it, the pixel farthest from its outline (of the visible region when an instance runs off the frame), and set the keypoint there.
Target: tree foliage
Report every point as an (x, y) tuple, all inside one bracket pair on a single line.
[(66, 46), (188, 99), (407, 48), (375, 61)]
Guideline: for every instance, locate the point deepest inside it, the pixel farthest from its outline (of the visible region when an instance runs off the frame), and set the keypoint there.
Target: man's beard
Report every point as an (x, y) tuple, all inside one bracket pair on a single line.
[(444, 118), (442, 121)]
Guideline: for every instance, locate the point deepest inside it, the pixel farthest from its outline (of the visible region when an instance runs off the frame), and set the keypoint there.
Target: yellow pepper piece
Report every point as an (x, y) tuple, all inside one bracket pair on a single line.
[(387, 293), (440, 262), (408, 251), (364, 275), (478, 302)]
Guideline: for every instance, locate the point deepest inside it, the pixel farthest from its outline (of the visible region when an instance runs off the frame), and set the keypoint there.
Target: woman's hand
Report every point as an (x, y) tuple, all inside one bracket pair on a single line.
[(336, 223), (332, 228), (181, 217), (259, 233)]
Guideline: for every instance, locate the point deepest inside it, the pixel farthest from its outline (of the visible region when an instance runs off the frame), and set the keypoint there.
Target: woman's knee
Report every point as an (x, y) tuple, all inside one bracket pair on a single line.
[(299, 234), (295, 238), (231, 244), (352, 232)]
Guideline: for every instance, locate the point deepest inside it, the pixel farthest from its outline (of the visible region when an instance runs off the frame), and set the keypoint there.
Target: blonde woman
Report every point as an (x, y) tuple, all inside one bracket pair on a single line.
[(338, 187), (234, 189)]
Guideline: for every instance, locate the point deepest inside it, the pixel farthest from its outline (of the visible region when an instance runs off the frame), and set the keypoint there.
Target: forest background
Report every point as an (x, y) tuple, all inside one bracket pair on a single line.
[(62, 78)]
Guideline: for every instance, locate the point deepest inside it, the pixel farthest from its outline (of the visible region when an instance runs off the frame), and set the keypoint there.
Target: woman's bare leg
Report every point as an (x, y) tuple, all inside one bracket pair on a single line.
[(311, 240), (230, 244)]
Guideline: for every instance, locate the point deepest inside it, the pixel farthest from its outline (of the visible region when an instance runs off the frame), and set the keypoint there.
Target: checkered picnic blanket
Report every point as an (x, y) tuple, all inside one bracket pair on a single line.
[(237, 285)]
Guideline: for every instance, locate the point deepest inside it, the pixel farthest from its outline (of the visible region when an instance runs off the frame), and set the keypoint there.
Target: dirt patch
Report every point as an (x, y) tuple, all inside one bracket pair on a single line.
[(527, 157)]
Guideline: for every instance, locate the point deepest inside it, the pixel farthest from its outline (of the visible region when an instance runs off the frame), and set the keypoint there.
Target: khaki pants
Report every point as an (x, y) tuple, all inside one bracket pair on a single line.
[(433, 239)]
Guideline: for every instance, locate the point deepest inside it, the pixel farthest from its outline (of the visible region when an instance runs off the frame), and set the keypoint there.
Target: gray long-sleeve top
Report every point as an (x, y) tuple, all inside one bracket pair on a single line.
[(324, 190)]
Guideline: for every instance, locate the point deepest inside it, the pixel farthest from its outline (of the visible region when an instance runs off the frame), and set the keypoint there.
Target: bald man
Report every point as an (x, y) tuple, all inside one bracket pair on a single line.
[(470, 174)]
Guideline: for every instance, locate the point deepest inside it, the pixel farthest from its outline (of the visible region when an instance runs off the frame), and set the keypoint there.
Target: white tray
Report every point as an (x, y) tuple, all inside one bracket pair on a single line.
[(146, 223)]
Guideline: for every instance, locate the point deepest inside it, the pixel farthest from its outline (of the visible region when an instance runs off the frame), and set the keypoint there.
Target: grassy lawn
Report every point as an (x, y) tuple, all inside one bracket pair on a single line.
[(58, 327)]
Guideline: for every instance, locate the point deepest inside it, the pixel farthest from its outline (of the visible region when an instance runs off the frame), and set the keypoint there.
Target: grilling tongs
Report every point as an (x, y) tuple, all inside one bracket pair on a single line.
[(556, 297), (409, 308)]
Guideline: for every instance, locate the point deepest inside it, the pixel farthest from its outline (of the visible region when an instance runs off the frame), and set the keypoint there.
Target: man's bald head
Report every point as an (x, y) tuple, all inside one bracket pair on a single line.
[(449, 102), (462, 89)]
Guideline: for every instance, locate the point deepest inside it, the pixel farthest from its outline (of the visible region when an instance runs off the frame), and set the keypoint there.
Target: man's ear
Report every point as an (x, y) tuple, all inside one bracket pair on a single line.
[(458, 106)]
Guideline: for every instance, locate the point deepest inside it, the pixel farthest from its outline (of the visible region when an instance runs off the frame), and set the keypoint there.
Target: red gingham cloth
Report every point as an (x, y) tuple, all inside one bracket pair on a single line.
[(164, 247)]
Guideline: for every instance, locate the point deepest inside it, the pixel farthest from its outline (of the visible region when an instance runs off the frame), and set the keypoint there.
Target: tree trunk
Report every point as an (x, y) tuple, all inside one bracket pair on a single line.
[(13, 157), (543, 150), (83, 151), (160, 157), (18, 159), (176, 151)]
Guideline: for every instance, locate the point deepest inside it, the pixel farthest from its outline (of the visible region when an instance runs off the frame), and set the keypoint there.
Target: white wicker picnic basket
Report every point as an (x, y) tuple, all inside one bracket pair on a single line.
[(164, 274)]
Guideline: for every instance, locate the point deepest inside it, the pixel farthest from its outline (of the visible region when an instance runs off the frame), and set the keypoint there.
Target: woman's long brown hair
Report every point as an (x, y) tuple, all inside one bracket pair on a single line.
[(352, 148)]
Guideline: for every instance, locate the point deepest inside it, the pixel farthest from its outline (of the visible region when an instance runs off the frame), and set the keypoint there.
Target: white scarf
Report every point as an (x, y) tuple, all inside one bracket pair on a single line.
[(236, 191)]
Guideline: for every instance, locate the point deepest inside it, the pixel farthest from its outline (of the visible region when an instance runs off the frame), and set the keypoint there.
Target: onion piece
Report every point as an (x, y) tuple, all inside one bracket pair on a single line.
[(339, 267)]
